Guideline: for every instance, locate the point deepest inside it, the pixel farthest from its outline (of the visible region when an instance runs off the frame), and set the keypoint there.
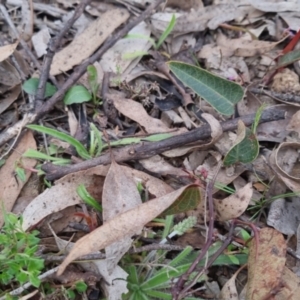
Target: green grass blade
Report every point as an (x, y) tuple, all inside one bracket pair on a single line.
[(167, 31), (31, 153), (64, 137)]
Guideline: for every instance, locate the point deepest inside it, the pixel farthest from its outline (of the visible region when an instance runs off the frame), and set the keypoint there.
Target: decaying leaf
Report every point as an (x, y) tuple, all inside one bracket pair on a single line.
[(265, 268), (234, 205), (7, 50)]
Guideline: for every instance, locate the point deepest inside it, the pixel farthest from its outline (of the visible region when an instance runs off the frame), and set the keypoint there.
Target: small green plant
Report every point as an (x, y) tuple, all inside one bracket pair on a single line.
[(95, 148), (154, 277), (30, 86), (18, 261), (79, 94)]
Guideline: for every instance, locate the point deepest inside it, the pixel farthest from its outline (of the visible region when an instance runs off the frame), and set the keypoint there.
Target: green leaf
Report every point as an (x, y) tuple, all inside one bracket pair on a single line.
[(245, 148), (21, 173), (31, 153), (188, 200), (87, 198), (93, 78), (288, 58), (30, 86), (80, 286), (166, 32), (77, 94), (34, 280), (220, 93), (140, 36), (64, 137)]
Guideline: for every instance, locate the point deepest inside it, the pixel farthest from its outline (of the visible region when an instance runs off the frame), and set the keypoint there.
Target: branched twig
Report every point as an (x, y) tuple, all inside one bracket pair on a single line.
[(286, 97), (145, 150)]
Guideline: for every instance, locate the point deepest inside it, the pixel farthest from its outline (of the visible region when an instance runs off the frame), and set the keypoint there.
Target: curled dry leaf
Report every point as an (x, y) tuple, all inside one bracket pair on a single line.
[(287, 159), (234, 205), (265, 268), (292, 184), (135, 111), (88, 41), (124, 224), (10, 185)]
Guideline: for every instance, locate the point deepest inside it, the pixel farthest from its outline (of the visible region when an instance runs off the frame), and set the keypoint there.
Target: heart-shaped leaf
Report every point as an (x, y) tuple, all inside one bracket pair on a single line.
[(245, 148), (220, 93), (77, 94)]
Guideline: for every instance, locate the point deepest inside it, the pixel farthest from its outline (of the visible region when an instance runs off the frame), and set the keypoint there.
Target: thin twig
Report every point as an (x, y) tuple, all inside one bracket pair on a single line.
[(148, 149)]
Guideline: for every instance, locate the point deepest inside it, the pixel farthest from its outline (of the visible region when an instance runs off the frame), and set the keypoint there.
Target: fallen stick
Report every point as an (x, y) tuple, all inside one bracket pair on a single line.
[(148, 149)]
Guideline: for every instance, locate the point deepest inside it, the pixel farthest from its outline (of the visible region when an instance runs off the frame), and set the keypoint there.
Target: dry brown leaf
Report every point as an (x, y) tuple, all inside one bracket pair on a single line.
[(135, 111), (88, 41), (229, 290), (243, 47), (159, 165), (62, 195), (234, 205), (8, 74), (124, 224), (120, 194), (265, 268), (7, 50), (9, 97), (10, 186)]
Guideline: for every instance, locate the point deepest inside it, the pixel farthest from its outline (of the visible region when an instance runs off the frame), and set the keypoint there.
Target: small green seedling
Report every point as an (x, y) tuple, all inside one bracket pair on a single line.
[(30, 86), (87, 198)]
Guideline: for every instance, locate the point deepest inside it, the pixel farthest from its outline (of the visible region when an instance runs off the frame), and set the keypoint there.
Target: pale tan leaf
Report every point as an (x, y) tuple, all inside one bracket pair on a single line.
[(9, 98), (10, 186), (276, 6), (234, 205), (7, 50), (88, 41), (124, 224), (119, 195), (266, 264), (290, 286), (229, 290), (136, 112)]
